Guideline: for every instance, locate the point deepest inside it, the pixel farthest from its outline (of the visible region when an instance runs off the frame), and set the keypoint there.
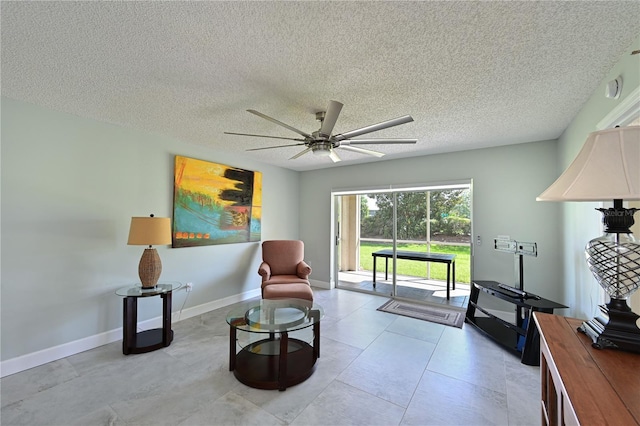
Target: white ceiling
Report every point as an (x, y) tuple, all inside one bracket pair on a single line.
[(472, 74)]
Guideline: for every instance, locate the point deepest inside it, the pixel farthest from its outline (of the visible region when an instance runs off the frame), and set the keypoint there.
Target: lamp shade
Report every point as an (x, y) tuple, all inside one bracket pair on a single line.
[(607, 168), (150, 231)]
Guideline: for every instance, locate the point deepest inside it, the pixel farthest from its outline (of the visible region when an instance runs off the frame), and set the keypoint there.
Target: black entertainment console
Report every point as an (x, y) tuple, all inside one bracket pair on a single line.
[(520, 337)]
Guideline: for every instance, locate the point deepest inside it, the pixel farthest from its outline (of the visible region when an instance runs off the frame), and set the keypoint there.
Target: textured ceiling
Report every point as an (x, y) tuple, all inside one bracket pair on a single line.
[(472, 74)]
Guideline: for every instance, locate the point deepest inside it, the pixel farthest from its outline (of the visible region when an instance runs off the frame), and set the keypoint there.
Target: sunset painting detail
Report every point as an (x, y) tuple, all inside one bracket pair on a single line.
[(215, 204)]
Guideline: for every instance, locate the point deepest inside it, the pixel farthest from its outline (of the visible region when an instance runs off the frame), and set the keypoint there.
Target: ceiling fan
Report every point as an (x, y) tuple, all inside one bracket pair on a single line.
[(323, 143)]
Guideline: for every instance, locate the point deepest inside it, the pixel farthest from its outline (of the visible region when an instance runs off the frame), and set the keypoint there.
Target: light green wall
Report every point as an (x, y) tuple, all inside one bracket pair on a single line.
[(506, 181), (69, 189), (580, 221)]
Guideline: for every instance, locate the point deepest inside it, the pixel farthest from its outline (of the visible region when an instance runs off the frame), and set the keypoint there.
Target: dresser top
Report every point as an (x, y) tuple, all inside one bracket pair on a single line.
[(603, 385)]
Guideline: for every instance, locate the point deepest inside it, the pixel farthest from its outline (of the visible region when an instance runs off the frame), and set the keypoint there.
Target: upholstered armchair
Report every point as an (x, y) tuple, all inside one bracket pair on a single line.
[(283, 270)]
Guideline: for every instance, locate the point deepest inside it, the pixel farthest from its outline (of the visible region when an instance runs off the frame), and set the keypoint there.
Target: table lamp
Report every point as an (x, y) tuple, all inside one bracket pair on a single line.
[(150, 231), (608, 168)]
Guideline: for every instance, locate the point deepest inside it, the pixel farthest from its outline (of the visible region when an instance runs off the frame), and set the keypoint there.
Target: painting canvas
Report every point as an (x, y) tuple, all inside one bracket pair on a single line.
[(215, 204)]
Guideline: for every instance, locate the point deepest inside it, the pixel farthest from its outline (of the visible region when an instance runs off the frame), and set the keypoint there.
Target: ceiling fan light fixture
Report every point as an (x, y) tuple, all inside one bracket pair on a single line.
[(321, 149), (321, 153)]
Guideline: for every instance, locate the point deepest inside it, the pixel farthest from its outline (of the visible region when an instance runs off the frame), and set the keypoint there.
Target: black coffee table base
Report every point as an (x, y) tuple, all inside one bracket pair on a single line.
[(264, 372), (274, 363)]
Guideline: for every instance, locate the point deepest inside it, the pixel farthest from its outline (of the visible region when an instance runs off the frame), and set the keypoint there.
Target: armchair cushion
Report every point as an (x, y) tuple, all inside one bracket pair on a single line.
[(288, 291)]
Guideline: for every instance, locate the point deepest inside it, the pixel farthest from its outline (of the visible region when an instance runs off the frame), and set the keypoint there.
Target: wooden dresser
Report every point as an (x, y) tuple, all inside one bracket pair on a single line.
[(582, 385)]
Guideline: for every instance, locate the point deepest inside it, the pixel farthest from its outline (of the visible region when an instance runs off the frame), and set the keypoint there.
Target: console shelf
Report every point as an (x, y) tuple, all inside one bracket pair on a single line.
[(520, 337)]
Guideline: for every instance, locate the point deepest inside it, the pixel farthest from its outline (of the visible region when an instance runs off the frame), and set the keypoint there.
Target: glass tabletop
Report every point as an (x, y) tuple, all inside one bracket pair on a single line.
[(136, 290), (274, 315)]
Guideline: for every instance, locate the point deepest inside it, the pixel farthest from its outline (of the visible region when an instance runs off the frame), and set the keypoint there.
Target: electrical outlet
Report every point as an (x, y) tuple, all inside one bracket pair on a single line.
[(189, 287)]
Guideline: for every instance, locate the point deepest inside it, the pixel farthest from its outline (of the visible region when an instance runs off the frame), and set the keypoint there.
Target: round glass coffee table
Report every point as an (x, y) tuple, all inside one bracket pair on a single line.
[(279, 342)]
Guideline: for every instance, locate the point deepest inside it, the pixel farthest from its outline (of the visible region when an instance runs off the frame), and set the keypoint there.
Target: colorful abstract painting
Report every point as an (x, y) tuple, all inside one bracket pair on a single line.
[(215, 204)]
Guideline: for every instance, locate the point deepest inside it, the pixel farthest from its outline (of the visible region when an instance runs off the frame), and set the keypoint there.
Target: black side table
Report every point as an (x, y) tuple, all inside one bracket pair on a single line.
[(148, 340)]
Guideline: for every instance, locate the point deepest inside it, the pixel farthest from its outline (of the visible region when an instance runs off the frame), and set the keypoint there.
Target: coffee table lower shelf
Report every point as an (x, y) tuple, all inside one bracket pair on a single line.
[(257, 366)]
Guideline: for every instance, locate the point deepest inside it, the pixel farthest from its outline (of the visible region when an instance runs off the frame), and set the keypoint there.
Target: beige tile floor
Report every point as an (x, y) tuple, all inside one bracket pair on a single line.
[(414, 288), (375, 369)]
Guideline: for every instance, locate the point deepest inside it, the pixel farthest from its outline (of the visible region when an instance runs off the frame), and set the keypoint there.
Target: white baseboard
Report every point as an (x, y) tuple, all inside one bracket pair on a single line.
[(25, 362), (34, 359), (211, 306), (321, 284)]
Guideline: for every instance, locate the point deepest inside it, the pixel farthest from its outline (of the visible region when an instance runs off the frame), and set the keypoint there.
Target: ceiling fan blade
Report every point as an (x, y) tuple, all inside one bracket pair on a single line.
[(377, 141), (330, 118), (279, 123), (362, 150), (374, 127), (300, 154), (278, 146), (334, 157), (264, 136)]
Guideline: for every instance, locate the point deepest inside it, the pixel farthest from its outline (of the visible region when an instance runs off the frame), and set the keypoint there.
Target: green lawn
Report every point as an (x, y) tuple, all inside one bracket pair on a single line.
[(418, 269)]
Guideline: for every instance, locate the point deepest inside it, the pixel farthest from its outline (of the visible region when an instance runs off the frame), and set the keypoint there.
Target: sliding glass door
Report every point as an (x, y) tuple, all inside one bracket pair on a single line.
[(405, 243)]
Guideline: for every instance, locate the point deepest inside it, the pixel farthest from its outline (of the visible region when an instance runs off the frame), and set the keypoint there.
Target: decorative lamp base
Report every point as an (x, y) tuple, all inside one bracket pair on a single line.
[(150, 268), (616, 327)]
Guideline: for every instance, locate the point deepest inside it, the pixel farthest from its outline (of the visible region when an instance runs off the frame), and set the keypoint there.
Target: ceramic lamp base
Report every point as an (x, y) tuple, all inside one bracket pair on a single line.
[(150, 268)]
